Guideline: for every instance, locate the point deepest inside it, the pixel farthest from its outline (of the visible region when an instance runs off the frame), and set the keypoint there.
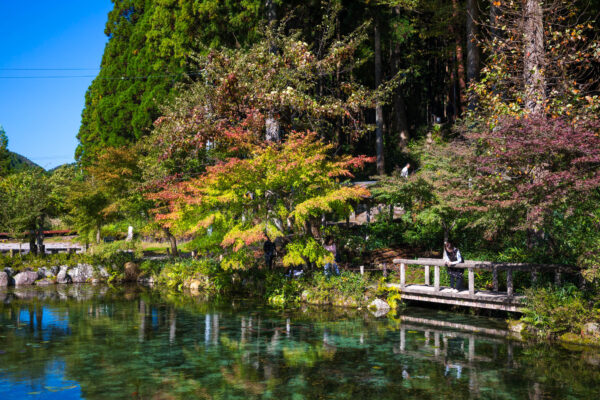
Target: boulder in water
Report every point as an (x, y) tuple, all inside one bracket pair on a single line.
[(81, 273), (103, 273), (44, 282), (195, 285), (44, 273), (63, 276), (146, 280), (379, 307), (4, 279), (132, 272), (25, 278)]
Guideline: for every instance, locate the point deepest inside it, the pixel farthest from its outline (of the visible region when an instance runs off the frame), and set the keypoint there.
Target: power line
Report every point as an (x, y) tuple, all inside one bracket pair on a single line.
[(49, 69), (51, 157), (47, 77), (124, 77)]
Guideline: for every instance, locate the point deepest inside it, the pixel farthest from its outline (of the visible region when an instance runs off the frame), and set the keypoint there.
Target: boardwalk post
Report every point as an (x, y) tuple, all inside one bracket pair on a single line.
[(471, 347), (402, 275), (402, 339), (557, 277), (471, 282), (385, 273), (495, 278), (509, 282), (362, 269), (436, 278), (427, 275)]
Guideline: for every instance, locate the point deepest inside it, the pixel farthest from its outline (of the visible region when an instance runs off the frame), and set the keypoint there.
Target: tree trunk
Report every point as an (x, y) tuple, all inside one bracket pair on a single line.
[(533, 53), (272, 128), (40, 241), (472, 48), (460, 66), (98, 234), (173, 241), (32, 247), (271, 14), (494, 15), (378, 107), (400, 119)]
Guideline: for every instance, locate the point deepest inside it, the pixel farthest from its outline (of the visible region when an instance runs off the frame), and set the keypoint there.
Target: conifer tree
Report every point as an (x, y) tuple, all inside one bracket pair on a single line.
[(4, 154)]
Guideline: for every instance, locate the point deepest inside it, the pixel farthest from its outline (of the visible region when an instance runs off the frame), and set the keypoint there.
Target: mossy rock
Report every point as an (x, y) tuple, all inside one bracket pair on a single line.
[(516, 326), (573, 341), (341, 301)]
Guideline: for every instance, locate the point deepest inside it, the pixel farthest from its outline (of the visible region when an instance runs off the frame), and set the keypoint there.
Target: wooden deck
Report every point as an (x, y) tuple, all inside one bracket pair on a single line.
[(494, 299), (480, 299), (50, 248)]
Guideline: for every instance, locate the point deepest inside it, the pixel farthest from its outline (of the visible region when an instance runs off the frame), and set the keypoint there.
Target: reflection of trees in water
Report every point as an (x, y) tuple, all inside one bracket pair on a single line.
[(138, 343)]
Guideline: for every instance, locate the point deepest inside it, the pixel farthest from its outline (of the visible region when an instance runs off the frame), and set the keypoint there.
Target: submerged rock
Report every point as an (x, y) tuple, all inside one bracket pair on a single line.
[(44, 282), (63, 276), (25, 278), (81, 273), (379, 307)]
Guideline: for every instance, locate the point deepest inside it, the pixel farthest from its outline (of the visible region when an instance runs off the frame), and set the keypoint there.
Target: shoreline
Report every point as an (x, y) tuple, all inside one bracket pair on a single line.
[(351, 291)]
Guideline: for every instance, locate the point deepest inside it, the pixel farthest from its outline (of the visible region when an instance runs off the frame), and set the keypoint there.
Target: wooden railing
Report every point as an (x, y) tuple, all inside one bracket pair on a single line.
[(471, 266)]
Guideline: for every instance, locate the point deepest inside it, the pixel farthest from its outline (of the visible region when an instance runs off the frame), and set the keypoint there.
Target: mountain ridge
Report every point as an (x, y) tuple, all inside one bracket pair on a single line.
[(20, 163)]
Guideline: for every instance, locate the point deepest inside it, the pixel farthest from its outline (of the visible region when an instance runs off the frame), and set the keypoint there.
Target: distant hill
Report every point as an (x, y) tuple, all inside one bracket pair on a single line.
[(21, 163), (62, 167)]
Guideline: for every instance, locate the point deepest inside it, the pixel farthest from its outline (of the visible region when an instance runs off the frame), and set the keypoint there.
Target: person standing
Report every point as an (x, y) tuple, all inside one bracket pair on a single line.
[(405, 170), (452, 257), (269, 250), (331, 267)]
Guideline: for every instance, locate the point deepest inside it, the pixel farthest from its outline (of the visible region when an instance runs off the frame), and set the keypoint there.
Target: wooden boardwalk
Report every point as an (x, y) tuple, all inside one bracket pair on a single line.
[(480, 299), (493, 299), (50, 248)]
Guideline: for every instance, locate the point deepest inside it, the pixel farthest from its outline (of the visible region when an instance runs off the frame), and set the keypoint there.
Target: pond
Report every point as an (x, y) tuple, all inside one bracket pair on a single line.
[(95, 342)]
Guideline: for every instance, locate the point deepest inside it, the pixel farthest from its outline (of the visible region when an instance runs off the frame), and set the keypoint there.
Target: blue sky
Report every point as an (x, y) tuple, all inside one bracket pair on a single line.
[(41, 116)]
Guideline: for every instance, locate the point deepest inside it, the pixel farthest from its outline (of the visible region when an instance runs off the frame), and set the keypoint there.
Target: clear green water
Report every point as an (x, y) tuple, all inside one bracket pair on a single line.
[(98, 343)]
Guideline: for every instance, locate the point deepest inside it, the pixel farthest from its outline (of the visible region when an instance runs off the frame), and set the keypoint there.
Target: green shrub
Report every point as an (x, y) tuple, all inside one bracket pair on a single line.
[(558, 310)]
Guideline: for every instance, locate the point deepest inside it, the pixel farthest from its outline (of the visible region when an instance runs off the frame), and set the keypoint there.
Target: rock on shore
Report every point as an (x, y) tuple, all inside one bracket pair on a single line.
[(3, 279), (81, 273), (62, 276), (379, 307), (25, 278)]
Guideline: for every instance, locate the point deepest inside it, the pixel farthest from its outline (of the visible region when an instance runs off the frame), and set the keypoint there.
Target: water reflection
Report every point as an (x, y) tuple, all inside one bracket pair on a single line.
[(96, 342)]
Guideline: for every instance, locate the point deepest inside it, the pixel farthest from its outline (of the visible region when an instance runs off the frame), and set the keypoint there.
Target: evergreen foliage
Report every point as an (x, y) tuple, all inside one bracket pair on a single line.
[(4, 153)]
